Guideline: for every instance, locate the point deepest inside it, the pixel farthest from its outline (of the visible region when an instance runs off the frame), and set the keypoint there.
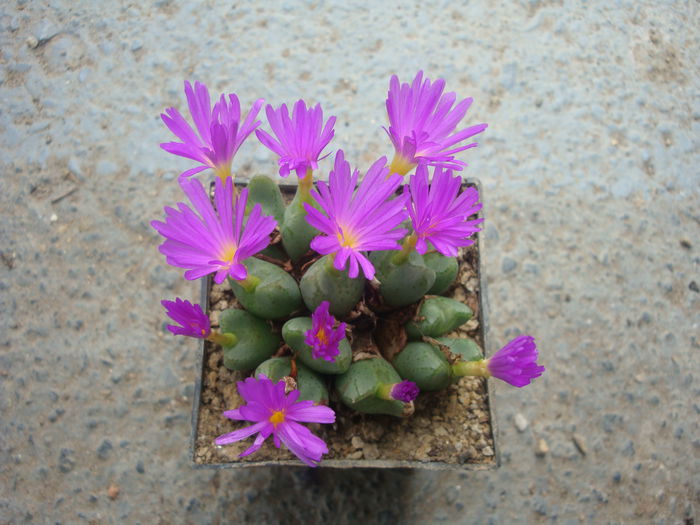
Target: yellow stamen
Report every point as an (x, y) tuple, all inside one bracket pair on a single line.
[(277, 417), (322, 336), (346, 237), (228, 253)]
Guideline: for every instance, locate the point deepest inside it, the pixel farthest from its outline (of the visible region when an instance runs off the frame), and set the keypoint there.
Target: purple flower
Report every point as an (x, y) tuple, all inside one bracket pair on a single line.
[(439, 215), (421, 124), (213, 242), (278, 414), (357, 221), (192, 320), (405, 391), (323, 339), (300, 139), (516, 363), (219, 132)]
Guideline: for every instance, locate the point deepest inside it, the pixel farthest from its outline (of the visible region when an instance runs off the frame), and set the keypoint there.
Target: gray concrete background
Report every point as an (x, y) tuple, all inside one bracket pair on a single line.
[(591, 174)]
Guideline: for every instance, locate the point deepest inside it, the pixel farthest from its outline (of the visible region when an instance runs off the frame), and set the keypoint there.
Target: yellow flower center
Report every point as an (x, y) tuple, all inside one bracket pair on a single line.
[(228, 253), (346, 237), (277, 417), (322, 336)]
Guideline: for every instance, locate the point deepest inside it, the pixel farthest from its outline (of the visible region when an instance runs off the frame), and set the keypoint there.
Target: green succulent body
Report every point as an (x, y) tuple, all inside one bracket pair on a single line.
[(266, 192), (359, 385), (438, 316), (255, 340), (276, 296), (425, 365), (294, 334), (465, 347), (296, 232), (401, 284), (445, 268), (321, 283)]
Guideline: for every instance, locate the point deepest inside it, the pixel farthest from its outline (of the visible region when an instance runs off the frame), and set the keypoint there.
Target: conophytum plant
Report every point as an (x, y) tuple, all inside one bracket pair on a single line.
[(354, 247)]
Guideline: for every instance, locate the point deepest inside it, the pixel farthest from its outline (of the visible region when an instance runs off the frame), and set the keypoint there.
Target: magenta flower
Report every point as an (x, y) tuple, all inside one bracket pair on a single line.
[(278, 414), (219, 131), (192, 320), (300, 139), (357, 220), (516, 363), (422, 122), (323, 339), (405, 391), (210, 242), (439, 213)]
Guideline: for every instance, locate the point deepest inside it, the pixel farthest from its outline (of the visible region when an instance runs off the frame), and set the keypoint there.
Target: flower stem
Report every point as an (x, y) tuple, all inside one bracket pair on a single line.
[(227, 339), (409, 244), (249, 283), (400, 165), (304, 187), (471, 368), (384, 391), (223, 172)]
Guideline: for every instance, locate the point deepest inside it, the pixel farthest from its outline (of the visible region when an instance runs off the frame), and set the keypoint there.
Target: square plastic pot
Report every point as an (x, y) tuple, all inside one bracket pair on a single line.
[(491, 461)]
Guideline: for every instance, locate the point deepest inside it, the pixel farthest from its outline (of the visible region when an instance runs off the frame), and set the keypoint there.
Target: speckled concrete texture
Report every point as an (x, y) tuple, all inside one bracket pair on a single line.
[(591, 172)]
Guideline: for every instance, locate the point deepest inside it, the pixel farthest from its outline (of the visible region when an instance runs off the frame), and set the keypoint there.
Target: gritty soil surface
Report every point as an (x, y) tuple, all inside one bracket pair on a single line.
[(451, 426)]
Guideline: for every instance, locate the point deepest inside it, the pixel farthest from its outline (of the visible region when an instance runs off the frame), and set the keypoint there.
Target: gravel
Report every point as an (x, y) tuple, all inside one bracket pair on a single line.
[(590, 171)]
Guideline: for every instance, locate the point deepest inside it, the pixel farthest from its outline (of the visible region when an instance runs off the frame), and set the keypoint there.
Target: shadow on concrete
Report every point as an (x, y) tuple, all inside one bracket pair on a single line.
[(304, 495)]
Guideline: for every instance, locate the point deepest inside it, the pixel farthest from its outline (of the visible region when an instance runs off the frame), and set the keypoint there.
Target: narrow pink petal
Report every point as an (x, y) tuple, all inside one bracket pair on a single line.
[(307, 412), (241, 433)]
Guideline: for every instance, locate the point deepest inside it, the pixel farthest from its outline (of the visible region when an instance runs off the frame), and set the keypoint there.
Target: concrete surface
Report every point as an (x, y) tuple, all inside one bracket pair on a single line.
[(591, 173)]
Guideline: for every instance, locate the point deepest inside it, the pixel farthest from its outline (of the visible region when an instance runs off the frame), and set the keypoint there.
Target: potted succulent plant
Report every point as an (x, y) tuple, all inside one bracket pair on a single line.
[(343, 318)]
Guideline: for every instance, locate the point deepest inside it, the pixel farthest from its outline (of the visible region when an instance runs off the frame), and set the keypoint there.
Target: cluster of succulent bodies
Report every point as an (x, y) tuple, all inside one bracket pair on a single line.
[(317, 277)]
